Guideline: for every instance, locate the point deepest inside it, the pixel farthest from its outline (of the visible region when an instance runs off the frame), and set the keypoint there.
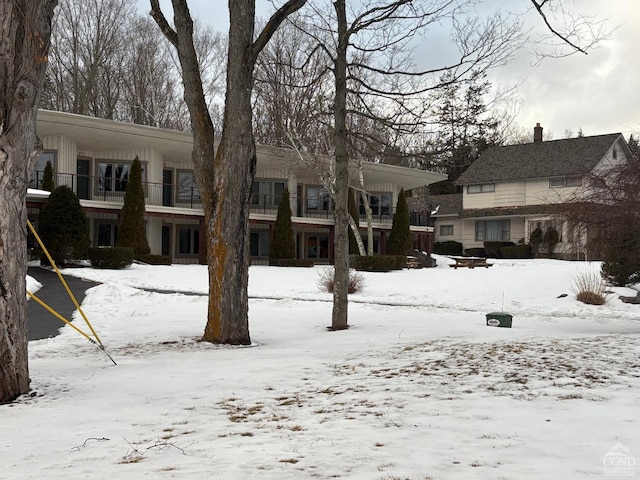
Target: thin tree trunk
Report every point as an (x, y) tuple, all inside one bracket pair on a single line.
[(25, 29), (341, 238)]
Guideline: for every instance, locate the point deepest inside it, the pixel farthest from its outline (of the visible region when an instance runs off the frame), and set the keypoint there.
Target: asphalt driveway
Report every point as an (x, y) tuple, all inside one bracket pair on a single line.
[(41, 323)]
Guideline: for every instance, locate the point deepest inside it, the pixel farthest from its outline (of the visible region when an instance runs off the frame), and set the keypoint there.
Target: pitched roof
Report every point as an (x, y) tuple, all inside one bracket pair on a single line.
[(447, 204), (555, 158)]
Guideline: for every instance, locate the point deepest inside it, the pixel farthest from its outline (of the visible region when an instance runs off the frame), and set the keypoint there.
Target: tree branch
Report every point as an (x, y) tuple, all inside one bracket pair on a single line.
[(158, 16), (272, 25)]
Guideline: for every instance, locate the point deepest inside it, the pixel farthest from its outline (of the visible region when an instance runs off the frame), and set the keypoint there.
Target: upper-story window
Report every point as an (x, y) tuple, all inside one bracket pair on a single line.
[(318, 199), (614, 153), (559, 182), (187, 188), (481, 188), (267, 192), (41, 162), (113, 177), (380, 204)]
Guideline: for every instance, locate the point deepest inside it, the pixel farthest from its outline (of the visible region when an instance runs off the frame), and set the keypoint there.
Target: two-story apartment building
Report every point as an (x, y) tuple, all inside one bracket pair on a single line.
[(512, 189), (93, 157)]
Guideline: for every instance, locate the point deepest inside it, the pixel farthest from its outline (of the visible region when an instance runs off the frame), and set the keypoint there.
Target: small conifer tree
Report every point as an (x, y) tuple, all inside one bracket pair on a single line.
[(63, 226), (551, 239), (535, 239), (283, 245), (353, 211), (400, 236), (131, 228), (47, 177)]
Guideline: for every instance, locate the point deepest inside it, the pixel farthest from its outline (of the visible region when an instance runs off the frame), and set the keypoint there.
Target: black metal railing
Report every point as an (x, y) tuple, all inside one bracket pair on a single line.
[(111, 190)]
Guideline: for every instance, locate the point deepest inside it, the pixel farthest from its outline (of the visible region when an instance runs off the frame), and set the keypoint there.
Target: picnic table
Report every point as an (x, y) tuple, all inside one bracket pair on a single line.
[(470, 262)]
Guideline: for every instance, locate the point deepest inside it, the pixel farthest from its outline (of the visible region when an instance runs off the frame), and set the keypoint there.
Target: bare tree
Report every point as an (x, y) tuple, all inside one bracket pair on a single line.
[(89, 40), (150, 91), (224, 176), (566, 32), (606, 216), (26, 30)]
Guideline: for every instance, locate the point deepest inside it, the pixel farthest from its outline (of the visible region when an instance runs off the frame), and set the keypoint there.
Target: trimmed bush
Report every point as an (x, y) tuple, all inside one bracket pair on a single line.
[(115, 258), (492, 249), (401, 262), (292, 262), (373, 263), (516, 251), (152, 259), (447, 248), (326, 279), (475, 252)]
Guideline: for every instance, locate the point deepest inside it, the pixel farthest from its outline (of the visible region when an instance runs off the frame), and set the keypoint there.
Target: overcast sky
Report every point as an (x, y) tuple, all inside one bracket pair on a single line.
[(598, 92)]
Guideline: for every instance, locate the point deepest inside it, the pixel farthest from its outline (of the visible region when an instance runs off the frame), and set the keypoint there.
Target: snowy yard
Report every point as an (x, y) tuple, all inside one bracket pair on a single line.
[(418, 388)]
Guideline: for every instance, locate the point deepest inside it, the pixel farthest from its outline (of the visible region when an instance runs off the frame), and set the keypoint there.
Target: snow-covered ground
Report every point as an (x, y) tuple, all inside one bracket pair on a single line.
[(418, 388)]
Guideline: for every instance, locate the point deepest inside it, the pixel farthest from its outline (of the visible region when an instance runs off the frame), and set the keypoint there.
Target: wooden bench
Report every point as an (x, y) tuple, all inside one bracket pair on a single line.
[(470, 262)]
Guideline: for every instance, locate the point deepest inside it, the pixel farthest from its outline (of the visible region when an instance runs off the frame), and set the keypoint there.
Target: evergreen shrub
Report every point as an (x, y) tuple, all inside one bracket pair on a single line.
[(283, 245), (449, 247), (475, 252), (516, 251), (373, 263), (492, 249), (401, 262), (152, 259), (131, 230), (550, 240), (292, 262), (114, 258), (400, 237), (47, 177), (63, 227)]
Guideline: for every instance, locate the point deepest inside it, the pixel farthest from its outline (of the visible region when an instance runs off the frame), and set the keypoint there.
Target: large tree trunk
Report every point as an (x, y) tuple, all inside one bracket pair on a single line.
[(341, 240), (25, 29), (235, 163), (224, 178)]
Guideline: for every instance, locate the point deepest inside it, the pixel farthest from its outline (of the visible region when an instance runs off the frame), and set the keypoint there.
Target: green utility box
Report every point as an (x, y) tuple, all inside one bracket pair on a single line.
[(499, 319)]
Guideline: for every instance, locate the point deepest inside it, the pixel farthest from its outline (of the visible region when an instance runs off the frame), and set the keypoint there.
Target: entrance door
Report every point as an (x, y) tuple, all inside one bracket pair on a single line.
[(82, 179), (167, 181)]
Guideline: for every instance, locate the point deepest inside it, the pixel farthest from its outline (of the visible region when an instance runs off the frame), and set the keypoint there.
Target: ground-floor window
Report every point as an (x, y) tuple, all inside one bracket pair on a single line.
[(106, 234), (446, 230), (318, 246), (188, 241), (493, 230), (259, 244)]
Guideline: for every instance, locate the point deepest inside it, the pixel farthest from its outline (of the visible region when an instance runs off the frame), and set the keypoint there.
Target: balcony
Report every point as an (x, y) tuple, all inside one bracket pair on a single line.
[(111, 190)]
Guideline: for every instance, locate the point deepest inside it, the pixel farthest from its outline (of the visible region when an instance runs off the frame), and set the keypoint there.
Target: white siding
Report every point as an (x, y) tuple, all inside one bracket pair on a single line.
[(67, 152)]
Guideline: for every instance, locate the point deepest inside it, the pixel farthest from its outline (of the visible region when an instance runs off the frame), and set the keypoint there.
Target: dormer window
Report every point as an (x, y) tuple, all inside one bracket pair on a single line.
[(560, 182), (481, 188)]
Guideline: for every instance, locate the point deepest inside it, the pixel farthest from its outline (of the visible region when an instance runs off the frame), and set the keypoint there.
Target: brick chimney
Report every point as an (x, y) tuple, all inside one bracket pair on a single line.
[(537, 133)]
